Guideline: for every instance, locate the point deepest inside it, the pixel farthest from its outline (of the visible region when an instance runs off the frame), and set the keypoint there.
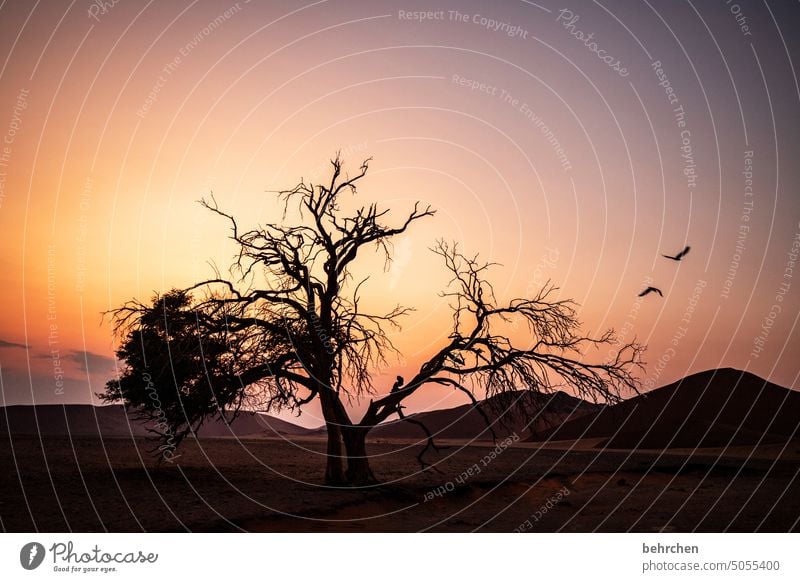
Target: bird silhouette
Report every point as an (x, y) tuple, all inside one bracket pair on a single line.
[(651, 290), (399, 382), (679, 256)]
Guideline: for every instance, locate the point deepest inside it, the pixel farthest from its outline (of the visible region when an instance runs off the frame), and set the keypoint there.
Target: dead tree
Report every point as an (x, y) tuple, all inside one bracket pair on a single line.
[(291, 318)]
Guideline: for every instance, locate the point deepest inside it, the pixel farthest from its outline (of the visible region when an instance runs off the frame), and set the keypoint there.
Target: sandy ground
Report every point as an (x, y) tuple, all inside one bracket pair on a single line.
[(86, 484)]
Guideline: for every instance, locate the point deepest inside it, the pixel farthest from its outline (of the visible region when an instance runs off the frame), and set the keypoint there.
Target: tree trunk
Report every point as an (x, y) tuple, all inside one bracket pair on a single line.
[(334, 469), (345, 440), (358, 472)]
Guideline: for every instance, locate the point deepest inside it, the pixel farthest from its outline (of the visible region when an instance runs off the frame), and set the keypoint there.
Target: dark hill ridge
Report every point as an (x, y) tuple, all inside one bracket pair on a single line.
[(709, 409), (519, 412), (113, 421)]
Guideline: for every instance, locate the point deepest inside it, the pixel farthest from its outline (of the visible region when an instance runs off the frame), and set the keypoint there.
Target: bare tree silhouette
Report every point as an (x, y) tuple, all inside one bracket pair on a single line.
[(288, 327)]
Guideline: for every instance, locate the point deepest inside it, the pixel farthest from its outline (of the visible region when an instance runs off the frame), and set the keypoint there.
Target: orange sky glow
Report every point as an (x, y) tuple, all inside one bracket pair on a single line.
[(535, 152)]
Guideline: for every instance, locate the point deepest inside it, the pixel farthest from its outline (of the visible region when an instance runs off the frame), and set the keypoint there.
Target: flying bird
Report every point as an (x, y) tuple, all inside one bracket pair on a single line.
[(651, 290), (679, 256)]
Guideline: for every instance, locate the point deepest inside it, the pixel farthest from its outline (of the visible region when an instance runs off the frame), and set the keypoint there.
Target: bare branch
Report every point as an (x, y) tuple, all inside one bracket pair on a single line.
[(482, 354)]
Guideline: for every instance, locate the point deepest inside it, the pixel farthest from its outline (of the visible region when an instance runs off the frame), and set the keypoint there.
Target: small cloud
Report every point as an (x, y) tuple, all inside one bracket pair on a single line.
[(90, 362), (5, 344)]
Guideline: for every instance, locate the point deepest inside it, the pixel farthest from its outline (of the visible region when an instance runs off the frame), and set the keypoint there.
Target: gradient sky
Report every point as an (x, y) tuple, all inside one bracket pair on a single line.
[(537, 153)]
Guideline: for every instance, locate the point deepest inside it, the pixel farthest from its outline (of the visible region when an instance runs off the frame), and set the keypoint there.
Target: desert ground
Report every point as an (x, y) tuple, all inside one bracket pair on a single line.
[(273, 485)]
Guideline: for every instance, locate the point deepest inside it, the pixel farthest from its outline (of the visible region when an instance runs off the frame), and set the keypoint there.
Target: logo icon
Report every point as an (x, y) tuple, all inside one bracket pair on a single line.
[(31, 555)]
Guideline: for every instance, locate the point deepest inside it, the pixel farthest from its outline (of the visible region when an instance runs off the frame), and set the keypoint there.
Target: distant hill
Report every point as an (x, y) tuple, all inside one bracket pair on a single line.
[(710, 409), (517, 412), (112, 421), (514, 412)]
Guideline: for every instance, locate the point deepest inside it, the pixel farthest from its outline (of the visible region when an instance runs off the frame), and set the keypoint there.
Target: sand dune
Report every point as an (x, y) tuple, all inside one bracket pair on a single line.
[(113, 421), (715, 408), (517, 412), (260, 484)]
